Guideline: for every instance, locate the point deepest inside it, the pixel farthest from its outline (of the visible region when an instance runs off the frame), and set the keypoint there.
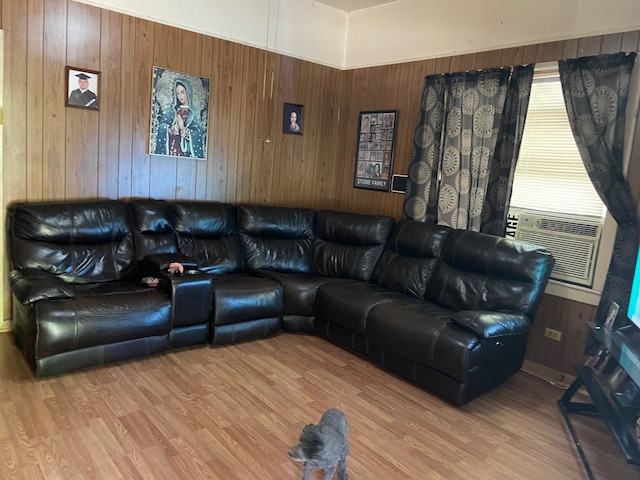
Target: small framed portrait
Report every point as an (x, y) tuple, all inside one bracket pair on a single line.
[(83, 88), (292, 118), (611, 316)]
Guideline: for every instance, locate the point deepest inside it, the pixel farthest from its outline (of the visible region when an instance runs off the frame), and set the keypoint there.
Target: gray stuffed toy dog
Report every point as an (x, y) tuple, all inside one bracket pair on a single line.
[(324, 446)]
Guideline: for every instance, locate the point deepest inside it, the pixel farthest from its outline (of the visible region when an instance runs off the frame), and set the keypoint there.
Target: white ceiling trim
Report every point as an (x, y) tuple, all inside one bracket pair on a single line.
[(386, 32)]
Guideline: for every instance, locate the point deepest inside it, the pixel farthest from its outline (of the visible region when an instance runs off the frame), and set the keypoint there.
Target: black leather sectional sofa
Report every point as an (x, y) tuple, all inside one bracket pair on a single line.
[(448, 309)]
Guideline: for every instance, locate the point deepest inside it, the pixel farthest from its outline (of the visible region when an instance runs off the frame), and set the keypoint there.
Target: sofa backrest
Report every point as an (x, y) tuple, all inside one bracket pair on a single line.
[(406, 265), (153, 230), (81, 242), (277, 238), (348, 245), (477, 271), (208, 233)]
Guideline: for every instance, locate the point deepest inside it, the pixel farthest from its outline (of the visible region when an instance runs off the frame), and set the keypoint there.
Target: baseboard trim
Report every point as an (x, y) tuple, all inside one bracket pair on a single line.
[(555, 377)]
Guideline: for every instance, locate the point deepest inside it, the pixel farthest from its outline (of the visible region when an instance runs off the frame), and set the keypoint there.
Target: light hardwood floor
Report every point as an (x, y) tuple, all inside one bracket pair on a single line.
[(233, 412)]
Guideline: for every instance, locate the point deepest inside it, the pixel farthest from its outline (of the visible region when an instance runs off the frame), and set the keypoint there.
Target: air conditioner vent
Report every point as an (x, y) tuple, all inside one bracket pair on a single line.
[(572, 228), (572, 242)]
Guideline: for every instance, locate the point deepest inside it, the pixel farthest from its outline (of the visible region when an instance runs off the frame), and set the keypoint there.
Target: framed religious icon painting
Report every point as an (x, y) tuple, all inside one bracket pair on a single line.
[(83, 88), (374, 155), (179, 114)]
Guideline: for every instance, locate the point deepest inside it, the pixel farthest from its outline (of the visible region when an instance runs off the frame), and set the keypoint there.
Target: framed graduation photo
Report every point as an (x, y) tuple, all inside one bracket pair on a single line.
[(83, 88)]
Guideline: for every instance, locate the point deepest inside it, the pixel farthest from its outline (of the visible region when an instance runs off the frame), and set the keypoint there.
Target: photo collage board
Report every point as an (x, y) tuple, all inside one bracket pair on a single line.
[(374, 157)]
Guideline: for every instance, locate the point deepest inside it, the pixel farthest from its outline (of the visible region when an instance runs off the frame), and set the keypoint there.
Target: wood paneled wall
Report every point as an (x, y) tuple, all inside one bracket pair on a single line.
[(57, 153)]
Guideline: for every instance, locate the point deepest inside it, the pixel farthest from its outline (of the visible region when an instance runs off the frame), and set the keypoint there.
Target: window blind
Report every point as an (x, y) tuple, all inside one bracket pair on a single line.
[(550, 175)]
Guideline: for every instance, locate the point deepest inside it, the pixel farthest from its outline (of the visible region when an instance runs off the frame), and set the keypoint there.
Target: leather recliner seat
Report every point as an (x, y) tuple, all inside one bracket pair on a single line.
[(78, 299)]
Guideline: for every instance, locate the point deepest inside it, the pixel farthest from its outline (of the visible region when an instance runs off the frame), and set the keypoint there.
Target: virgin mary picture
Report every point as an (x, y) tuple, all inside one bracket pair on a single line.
[(179, 114)]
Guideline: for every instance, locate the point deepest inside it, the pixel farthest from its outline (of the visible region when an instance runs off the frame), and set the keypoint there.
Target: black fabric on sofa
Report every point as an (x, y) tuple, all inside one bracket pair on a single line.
[(448, 309)]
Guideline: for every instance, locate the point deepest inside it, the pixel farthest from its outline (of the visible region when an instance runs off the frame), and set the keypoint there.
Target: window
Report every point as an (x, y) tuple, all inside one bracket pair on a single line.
[(553, 202), (550, 175)]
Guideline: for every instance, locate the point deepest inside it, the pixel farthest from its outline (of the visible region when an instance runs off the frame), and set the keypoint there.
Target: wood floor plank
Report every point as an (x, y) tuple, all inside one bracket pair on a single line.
[(232, 413)]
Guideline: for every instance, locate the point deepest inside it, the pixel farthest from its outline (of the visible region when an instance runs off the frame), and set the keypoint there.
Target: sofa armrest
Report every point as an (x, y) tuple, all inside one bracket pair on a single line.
[(492, 324), (30, 286)]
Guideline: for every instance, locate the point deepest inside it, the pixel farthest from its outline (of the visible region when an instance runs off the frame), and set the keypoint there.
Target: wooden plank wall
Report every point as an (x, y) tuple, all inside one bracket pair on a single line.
[(57, 153)]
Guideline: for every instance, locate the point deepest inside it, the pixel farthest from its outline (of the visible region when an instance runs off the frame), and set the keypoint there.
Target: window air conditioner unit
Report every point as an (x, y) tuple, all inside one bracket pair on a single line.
[(573, 242)]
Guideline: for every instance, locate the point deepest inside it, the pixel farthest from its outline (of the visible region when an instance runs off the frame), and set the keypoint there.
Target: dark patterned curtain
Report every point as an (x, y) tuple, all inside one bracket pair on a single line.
[(505, 157), (452, 172), (422, 182), (595, 91)]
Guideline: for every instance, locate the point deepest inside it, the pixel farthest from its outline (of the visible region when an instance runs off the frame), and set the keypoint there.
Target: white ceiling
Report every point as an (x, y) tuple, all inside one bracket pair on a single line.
[(353, 5)]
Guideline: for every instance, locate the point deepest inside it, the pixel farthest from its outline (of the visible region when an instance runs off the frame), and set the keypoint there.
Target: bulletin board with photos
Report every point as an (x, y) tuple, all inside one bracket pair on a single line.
[(374, 155)]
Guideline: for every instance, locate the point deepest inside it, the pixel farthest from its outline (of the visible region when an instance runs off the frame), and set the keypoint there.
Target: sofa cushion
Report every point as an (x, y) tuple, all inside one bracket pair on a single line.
[(348, 302), (349, 245), (245, 331), (277, 238), (80, 242), (208, 233), (477, 271), (89, 320), (423, 332), (242, 297), (299, 290), (408, 261), (153, 229)]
